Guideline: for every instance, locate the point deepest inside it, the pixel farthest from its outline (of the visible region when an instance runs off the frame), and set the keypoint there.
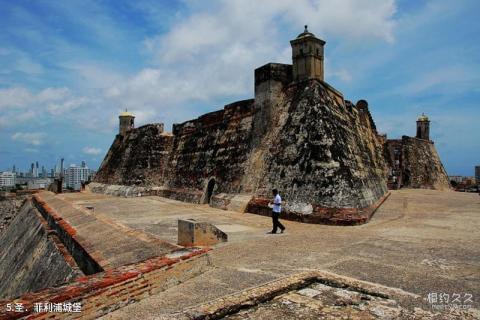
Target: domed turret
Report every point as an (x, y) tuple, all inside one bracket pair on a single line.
[(307, 56), (127, 122), (423, 117), (305, 33), (423, 127)]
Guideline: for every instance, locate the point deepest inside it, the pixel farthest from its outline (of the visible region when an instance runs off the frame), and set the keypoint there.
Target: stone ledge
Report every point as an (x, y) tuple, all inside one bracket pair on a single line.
[(191, 196)]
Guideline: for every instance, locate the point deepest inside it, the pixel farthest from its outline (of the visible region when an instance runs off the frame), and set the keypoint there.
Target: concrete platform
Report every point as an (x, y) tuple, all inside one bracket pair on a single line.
[(159, 216), (421, 241)]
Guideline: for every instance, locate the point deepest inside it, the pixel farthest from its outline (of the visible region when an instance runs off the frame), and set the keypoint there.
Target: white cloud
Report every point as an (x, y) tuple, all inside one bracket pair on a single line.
[(445, 79), (53, 94), (92, 150), (67, 105), (14, 97), (19, 97), (212, 53), (33, 138)]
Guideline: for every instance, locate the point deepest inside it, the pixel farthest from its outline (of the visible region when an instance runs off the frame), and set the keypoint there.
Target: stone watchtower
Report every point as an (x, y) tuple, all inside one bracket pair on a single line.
[(126, 122), (307, 55), (423, 127)]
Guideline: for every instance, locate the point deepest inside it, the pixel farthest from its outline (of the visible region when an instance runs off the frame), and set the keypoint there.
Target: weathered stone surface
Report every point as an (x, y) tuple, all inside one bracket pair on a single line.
[(322, 154), (414, 163), (318, 295), (137, 158), (8, 210), (29, 257)]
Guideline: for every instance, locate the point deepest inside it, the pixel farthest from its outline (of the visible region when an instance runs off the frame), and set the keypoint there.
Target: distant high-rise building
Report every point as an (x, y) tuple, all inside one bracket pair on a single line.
[(7, 179), (75, 175), (477, 174)]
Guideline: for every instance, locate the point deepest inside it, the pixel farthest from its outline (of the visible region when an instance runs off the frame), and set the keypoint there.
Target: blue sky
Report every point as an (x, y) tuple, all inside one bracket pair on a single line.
[(67, 68)]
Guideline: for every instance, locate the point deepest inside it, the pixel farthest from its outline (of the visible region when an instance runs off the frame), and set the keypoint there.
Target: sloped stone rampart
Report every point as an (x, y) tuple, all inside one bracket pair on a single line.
[(31, 256)]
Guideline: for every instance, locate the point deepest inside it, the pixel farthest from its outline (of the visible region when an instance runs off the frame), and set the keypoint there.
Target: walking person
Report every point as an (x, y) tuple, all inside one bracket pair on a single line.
[(276, 209)]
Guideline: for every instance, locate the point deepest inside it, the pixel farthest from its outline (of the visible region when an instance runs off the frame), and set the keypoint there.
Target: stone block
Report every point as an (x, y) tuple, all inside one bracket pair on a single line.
[(196, 233)]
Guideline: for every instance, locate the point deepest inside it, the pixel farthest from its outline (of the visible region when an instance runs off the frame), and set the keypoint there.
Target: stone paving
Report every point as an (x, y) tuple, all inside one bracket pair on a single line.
[(320, 301), (421, 241)]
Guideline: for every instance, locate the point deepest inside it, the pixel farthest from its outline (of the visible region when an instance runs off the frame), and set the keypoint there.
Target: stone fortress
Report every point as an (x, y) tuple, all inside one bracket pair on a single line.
[(298, 134)]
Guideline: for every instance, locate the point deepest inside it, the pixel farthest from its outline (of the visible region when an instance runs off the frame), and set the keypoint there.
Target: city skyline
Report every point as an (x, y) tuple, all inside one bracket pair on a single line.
[(66, 77)]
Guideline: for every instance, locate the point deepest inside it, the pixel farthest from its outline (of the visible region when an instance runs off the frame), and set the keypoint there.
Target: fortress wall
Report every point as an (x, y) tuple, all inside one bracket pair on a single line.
[(421, 165), (139, 158), (321, 152), (322, 156), (215, 145), (31, 256)]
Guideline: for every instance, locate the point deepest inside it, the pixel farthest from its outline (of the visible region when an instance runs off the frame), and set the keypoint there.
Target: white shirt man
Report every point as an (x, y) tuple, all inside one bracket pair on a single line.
[(276, 209), (277, 204)]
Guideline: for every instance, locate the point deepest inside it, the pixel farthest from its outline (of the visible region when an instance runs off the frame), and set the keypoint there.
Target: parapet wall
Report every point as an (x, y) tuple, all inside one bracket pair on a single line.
[(274, 71)]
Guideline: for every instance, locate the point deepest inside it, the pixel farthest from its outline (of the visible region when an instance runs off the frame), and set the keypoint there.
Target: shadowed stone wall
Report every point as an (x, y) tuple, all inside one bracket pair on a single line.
[(29, 258)]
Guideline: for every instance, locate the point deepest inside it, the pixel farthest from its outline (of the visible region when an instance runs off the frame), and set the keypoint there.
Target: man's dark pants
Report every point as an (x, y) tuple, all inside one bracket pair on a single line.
[(276, 223)]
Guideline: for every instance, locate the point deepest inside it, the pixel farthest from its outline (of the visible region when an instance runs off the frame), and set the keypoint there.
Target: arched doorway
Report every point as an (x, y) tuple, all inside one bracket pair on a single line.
[(210, 187)]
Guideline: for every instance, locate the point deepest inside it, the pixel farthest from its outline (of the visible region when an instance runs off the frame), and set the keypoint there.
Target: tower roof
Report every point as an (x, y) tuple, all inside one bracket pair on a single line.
[(423, 117), (305, 33), (126, 114), (306, 36)]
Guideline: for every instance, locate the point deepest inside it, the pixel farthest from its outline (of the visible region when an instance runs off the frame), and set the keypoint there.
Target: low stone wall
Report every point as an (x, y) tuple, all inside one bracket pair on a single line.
[(318, 214), (104, 292), (190, 196), (122, 191)]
